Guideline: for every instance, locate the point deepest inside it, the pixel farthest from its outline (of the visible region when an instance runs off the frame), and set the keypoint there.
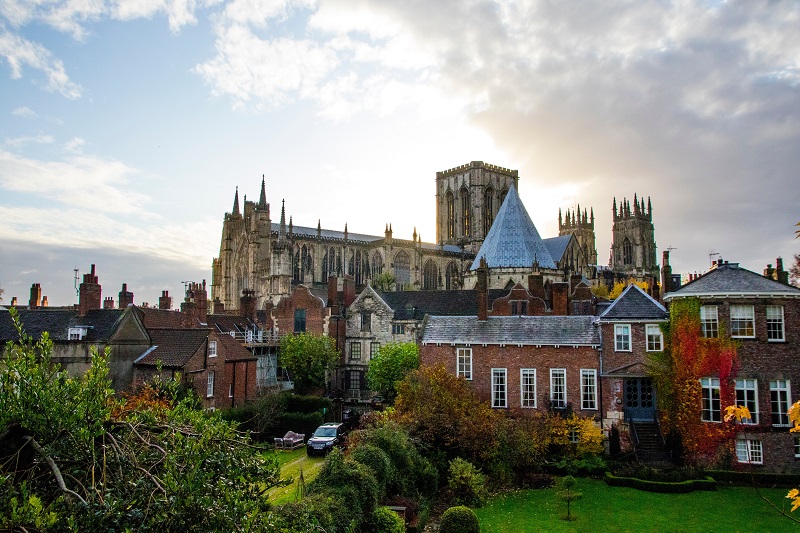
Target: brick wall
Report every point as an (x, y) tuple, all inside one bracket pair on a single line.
[(301, 298), (514, 358)]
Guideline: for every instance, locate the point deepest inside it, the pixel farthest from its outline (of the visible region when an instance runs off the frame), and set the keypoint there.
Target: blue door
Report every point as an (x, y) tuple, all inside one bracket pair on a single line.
[(640, 399)]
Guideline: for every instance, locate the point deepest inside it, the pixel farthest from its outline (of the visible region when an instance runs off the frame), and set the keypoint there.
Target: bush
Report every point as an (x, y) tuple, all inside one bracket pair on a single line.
[(679, 487), (588, 465), (352, 482), (459, 519), (466, 483), (377, 461), (387, 521), (308, 404), (304, 423)]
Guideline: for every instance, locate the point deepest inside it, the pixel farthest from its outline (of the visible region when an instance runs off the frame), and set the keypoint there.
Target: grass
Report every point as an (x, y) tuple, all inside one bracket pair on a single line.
[(622, 509), (290, 464)]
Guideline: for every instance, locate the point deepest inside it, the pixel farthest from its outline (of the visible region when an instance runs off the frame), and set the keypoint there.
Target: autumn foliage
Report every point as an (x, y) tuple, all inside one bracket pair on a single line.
[(688, 357)]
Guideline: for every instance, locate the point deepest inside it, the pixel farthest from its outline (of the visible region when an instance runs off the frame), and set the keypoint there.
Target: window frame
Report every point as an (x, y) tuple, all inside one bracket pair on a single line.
[(710, 384), (752, 448), (775, 323), (659, 335), (618, 337), (749, 398), (780, 387), (354, 353), (366, 321), (374, 347), (499, 388), (77, 333), (300, 320), (558, 374), (212, 348), (527, 388), (741, 321), (797, 447), (589, 390), (709, 325), (461, 370), (210, 384)]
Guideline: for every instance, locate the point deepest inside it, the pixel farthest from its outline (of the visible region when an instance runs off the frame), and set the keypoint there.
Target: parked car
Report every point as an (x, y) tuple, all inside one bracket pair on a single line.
[(325, 438)]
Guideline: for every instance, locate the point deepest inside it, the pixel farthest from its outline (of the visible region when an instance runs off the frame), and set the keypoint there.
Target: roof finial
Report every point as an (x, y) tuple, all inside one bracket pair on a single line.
[(236, 202), (262, 201)]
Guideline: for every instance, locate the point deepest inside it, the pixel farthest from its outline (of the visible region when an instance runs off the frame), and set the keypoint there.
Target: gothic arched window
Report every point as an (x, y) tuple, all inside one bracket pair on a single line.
[(451, 215), (503, 194), (488, 209), (627, 252), (430, 276), (377, 264), (466, 219), (452, 280), (402, 269)]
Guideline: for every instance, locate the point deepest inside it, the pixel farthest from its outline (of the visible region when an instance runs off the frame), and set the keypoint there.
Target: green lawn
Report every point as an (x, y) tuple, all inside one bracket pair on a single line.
[(291, 463), (619, 509)]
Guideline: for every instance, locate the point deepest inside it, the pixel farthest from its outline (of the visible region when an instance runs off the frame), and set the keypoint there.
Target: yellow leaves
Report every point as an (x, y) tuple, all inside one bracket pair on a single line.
[(737, 413), (794, 417), (794, 495)]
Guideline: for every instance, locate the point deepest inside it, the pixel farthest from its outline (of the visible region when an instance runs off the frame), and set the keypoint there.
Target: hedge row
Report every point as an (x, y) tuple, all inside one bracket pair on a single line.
[(678, 487), (760, 478)]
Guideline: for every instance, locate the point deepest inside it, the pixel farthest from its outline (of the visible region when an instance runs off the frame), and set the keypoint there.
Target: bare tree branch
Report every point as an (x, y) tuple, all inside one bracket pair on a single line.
[(54, 468)]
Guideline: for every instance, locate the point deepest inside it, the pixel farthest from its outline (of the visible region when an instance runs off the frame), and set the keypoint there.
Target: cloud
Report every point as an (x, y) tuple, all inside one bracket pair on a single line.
[(19, 142), (20, 52), (84, 182), (75, 144), (24, 112)]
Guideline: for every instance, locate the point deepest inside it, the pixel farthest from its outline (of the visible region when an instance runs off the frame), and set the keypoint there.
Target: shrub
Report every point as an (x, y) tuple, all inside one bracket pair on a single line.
[(350, 481), (413, 475), (459, 519), (466, 483), (387, 521), (304, 423), (308, 404), (588, 465), (377, 461), (679, 487)]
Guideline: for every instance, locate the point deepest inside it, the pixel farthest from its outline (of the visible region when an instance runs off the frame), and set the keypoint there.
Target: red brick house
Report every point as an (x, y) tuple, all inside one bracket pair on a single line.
[(763, 317)]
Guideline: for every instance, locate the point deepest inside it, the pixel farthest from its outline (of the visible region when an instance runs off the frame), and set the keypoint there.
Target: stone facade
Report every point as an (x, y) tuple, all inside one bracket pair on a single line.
[(633, 245)]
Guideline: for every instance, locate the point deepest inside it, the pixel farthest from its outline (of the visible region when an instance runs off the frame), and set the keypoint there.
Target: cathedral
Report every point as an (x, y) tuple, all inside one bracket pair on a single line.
[(478, 214)]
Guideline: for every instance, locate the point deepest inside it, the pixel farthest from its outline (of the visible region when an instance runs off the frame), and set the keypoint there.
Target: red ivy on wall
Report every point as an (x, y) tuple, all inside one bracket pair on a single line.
[(687, 358)]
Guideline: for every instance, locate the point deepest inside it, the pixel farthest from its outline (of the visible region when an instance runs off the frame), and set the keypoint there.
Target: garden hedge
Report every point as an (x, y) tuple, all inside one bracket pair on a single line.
[(676, 487)]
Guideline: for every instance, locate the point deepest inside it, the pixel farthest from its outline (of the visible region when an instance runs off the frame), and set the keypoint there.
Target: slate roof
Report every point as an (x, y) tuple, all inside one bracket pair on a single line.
[(160, 318), (729, 279), (513, 240), (227, 323), (463, 302), (172, 346), (101, 322), (233, 349), (311, 233), (515, 330), (634, 304), (557, 246)]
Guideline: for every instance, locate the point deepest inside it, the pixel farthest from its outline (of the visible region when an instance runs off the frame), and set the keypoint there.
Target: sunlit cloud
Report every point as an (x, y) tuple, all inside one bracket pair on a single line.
[(24, 112)]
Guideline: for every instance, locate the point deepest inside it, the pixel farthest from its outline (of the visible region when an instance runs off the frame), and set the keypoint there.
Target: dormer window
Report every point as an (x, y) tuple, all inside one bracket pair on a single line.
[(77, 333)]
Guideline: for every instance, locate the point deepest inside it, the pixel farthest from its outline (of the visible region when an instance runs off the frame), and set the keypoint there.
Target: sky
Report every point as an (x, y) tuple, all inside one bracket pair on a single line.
[(126, 125)]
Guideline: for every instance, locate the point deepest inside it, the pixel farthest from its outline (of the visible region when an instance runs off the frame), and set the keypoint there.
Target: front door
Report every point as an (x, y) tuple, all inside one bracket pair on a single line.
[(640, 399)]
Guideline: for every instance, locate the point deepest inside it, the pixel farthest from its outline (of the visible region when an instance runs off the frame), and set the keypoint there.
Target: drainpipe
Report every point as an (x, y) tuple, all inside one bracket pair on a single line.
[(600, 380)]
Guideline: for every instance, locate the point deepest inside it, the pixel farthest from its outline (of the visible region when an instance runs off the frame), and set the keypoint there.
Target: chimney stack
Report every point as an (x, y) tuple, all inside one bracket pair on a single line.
[(125, 297), (666, 273), (560, 297), (90, 293), (164, 301), (195, 304), (14, 301), (247, 304), (781, 275), (36, 296), (482, 290), (108, 302), (44, 301)]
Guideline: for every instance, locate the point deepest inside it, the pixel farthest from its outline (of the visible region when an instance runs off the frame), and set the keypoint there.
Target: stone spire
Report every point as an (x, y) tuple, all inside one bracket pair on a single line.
[(262, 200), (282, 231), (236, 203)]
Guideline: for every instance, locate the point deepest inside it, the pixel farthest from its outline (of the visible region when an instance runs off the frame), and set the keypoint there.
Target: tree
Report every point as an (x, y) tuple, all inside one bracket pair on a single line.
[(74, 455), (308, 358), (568, 495), (620, 286), (794, 271), (444, 411), (384, 282), (391, 364)]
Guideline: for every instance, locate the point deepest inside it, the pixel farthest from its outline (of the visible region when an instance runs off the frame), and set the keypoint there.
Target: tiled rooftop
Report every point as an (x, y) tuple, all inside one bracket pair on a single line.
[(515, 330), (513, 240), (634, 304), (731, 279)]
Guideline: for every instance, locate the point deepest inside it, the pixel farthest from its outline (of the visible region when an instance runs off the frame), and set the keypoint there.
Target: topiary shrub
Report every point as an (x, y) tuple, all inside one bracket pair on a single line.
[(466, 483), (387, 521), (459, 519), (377, 461)]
